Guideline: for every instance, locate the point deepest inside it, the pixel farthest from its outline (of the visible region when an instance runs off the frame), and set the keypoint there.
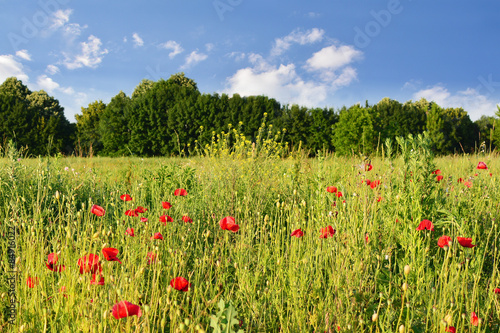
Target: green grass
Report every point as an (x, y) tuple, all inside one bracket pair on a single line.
[(274, 281)]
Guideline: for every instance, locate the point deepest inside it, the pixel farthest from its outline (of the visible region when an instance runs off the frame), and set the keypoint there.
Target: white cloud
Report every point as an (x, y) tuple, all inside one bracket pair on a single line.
[(91, 54), (60, 18), (470, 100), (174, 46), (23, 54), (332, 57), (193, 58), (280, 82), (46, 83), (237, 56), (296, 37), (52, 69), (137, 40), (209, 47), (9, 66)]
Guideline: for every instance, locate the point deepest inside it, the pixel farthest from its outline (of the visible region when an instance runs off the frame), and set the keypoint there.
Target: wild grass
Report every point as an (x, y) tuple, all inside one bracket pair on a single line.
[(353, 282)]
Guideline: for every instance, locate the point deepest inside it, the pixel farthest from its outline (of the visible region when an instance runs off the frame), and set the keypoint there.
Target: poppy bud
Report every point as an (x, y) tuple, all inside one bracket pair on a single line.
[(374, 317), (407, 269), (146, 308), (163, 322), (402, 329), (405, 287), (57, 195), (448, 319), (105, 314)]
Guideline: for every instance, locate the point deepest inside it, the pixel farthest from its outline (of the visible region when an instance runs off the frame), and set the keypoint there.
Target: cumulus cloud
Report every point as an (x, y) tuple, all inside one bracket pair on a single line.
[(297, 37), (137, 40), (60, 18), (23, 54), (90, 56), (50, 86), (174, 46), (470, 99), (9, 66), (52, 69), (193, 58)]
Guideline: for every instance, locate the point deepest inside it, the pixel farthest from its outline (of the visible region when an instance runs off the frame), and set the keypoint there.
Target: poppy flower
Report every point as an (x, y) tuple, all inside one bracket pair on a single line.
[(144, 219), (327, 232), (125, 309), (131, 212), (125, 197), (425, 225), (368, 167), (187, 219), (32, 282), (157, 236), (367, 239), (444, 241), (180, 192), (436, 172), (130, 231), (497, 291), (180, 284), (228, 223), (439, 178), (460, 180), (51, 263), (474, 319), (465, 242), (368, 182), (468, 184), (89, 263), (110, 254), (98, 283), (331, 189), (482, 165), (297, 233), (339, 194), (140, 210), (151, 258), (165, 218), (166, 205), (374, 183), (451, 329), (379, 199), (97, 210)]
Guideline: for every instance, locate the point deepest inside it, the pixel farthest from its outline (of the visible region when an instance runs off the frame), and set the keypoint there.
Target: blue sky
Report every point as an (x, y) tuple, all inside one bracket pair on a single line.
[(314, 53)]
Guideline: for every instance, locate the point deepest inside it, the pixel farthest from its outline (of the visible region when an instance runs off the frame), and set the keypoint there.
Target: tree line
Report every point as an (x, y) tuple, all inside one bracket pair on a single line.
[(171, 117)]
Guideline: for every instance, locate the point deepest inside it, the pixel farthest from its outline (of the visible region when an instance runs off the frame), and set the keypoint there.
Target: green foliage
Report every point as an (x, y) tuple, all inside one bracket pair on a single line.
[(87, 125), (114, 126), (354, 132), (225, 319)]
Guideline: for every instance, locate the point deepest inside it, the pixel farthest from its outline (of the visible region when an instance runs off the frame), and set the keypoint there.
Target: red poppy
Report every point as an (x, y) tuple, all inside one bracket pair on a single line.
[(465, 242), (368, 167), (451, 329), (460, 180), (140, 210), (144, 219), (151, 257), (474, 319), (339, 194), (379, 199), (327, 232), (439, 178), (482, 165), (368, 182), (436, 172), (497, 291), (331, 189), (229, 223), (32, 282), (110, 254), (98, 283), (51, 263), (97, 210), (297, 233), (468, 184), (157, 236), (125, 197), (130, 231), (166, 205), (187, 219), (165, 218), (89, 263), (180, 192), (425, 225), (180, 284), (131, 212), (367, 239), (374, 183), (444, 241), (124, 309)]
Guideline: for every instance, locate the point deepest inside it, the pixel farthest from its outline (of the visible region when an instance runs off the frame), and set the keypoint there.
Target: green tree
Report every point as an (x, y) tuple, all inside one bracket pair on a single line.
[(87, 125), (114, 126), (142, 88), (354, 131)]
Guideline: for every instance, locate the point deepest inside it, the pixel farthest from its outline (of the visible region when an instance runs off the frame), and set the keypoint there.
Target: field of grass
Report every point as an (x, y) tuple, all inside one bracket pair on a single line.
[(374, 273)]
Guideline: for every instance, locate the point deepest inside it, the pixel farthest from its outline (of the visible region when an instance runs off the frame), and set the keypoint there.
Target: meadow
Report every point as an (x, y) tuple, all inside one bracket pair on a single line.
[(257, 242)]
